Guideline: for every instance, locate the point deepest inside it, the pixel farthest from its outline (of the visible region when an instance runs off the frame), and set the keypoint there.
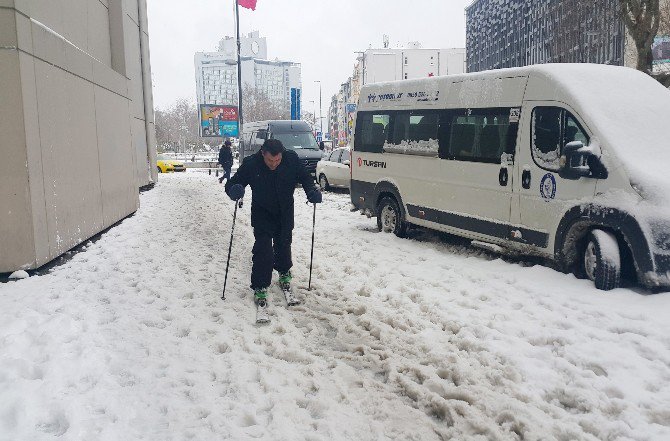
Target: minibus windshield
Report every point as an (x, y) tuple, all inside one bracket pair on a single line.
[(297, 140)]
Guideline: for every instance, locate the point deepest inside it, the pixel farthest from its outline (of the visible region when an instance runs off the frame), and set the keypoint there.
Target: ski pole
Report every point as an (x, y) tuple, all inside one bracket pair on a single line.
[(311, 259), (230, 247)]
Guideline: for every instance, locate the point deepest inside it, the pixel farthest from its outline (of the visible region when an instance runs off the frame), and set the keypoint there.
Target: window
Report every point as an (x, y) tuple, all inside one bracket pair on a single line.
[(479, 135), (415, 132), (372, 131), (346, 156), (335, 156), (552, 129)]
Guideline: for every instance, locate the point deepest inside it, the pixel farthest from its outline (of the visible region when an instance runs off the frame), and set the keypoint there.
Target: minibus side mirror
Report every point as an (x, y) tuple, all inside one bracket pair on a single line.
[(322, 145), (262, 134), (577, 162)]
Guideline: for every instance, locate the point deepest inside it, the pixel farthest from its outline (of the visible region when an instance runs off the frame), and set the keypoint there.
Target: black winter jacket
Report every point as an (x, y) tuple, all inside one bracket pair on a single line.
[(226, 157), (272, 191)]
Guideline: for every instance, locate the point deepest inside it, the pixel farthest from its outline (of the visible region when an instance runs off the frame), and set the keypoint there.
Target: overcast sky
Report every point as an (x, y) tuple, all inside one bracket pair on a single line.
[(322, 35)]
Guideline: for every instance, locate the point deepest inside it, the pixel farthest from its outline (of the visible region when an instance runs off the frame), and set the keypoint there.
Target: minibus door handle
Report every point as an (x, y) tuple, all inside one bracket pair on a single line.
[(503, 177), (525, 179)]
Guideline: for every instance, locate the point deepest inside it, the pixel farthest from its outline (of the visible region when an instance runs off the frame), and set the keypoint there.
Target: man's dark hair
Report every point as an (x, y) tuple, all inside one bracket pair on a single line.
[(273, 147), (227, 143)]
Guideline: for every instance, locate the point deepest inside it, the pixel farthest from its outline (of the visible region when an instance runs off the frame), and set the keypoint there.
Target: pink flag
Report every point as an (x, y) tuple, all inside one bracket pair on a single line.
[(249, 4)]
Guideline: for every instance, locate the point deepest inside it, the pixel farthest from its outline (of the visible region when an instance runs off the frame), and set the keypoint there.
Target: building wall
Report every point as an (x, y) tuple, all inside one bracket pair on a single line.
[(71, 164), (513, 33), (251, 45)]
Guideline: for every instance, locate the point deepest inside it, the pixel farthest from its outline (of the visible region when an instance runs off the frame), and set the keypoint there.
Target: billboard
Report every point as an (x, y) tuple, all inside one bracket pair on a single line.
[(295, 104), (661, 50), (218, 121)]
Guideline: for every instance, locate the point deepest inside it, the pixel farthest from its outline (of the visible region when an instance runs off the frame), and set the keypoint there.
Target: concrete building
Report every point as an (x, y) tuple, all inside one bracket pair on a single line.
[(513, 33), (216, 72), (387, 64), (76, 123), (379, 65)]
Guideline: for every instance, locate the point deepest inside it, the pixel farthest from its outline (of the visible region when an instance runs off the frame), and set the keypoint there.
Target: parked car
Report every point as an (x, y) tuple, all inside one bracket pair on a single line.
[(543, 160), (333, 169), (165, 164)]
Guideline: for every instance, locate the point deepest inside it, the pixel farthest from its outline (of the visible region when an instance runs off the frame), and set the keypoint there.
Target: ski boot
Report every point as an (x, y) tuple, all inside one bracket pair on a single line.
[(285, 285), (260, 298)]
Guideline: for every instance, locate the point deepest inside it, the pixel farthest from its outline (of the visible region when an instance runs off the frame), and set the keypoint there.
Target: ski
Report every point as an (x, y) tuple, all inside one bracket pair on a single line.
[(262, 313), (291, 299)]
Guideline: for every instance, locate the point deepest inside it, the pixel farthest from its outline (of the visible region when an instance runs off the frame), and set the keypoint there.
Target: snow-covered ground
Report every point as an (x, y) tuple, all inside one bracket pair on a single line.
[(419, 339)]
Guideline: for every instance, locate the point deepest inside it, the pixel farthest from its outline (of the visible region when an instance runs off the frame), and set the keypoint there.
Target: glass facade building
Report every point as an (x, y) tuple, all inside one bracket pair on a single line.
[(514, 33)]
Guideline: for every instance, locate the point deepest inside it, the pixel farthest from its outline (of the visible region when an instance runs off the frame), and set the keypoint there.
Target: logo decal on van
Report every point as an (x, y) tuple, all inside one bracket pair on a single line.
[(376, 164), (548, 187)]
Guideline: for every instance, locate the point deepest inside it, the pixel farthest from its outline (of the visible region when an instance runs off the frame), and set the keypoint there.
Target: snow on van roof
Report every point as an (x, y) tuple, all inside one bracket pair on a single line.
[(628, 111)]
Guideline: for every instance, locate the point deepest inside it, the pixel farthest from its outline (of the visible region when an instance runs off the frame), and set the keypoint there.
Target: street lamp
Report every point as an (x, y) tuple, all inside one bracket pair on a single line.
[(320, 107), (314, 113)]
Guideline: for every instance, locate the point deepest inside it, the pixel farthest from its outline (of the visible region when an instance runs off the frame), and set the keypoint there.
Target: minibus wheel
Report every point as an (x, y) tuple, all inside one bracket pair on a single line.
[(601, 260), (389, 217), (323, 182)]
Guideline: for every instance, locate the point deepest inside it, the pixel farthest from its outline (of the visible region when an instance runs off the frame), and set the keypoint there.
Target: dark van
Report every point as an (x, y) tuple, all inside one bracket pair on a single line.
[(295, 135)]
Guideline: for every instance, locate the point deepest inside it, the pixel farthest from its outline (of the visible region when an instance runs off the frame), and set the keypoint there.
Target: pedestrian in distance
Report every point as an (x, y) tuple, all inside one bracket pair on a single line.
[(226, 160), (273, 174)]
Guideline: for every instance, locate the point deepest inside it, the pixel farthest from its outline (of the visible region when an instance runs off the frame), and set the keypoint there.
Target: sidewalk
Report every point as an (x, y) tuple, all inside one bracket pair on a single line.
[(399, 339)]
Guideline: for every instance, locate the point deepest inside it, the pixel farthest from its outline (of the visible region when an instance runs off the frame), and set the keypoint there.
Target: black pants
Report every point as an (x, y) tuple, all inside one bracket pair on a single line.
[(226, 172), (270, 251)]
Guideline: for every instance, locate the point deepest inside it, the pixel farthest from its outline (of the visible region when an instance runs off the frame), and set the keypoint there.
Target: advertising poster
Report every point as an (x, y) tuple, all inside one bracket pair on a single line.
[(218, 121), (351, 112)]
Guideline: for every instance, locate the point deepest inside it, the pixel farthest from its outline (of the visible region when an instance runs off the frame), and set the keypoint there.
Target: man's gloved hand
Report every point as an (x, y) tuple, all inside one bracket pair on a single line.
[(314, 196), (236, 192)]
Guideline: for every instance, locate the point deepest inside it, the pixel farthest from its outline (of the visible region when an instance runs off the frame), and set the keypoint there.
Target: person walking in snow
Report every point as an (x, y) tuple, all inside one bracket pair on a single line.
[(226, 160), (273, 174)]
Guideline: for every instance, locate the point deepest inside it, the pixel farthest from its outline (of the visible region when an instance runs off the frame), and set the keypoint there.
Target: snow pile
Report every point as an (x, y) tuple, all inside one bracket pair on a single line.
[(422, 148), (18, 275), (399, 339)]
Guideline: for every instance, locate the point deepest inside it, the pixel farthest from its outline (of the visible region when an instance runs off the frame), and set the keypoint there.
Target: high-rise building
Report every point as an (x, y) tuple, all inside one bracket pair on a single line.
[(216, 73), (513, 33)]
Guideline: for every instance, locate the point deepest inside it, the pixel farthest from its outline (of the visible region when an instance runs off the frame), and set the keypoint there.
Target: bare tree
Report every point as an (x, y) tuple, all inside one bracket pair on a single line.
[(178, 127), (257, 106), (643, 19), (664, 21)]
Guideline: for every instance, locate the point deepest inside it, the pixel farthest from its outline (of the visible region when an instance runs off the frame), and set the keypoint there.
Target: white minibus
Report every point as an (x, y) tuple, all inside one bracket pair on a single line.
[(569, 162)]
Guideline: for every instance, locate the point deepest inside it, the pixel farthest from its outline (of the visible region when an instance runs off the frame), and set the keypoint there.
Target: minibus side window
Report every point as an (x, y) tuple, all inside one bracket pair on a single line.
[(546, 132), (552, 129), (415, 132), (573, 131), (480, 135), (372, 130)]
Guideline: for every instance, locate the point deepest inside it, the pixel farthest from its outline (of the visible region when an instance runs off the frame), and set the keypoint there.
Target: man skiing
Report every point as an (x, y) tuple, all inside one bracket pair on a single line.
[(226, 160), (273, 174)]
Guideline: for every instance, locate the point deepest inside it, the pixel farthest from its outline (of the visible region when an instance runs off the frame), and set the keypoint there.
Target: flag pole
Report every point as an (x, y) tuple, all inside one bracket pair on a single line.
[(240, 119)]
